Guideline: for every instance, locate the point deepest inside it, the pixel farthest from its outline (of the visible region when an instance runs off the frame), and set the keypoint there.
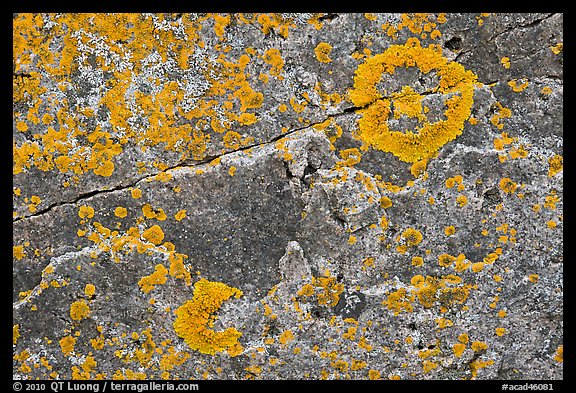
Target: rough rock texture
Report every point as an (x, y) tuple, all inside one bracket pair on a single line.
[(162, 161)]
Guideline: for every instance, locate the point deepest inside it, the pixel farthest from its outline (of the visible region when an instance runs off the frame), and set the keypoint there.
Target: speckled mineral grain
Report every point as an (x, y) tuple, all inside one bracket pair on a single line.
[(287, 196)]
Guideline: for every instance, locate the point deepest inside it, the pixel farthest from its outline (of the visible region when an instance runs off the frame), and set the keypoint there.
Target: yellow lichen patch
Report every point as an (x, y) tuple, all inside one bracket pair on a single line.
[(410, 237), (373, 374), (461, 200), (18, 252), (232, 171), (326, 289), (555, 165), (500, 331), (533, 278), (518, 87), (458, 349), (418, 168), (429, 137), (90, 290), (180, 215), (507, 185), (154, 235), (559, 355), (79, 310), (85, 212), (399, 301), (449, 230), (15, 334), (67, 345), (286, 337), (273, 57), (385, 202), (417, 261), (478, 346), (505, 61), (556, 49), (136, 193), (195, 318), (158, 277), (173, 359), (501, 113), (120, 212), (322, 52)]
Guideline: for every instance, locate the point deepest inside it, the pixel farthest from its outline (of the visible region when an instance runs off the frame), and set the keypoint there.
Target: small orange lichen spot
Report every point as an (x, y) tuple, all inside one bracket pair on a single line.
[(21, 126), (322, 52), (505, 61), (461, 200), (518, 87), (286, 337), (556, 49), (559, 355), (502, 313), (385, 202), (79, 310), (500, 331), (180, 215), (232, 171), (282, 108), (136, 193), (411, 236), (478, 346), (445, 260), (533, 278), (158, 277), (120, 212), (18, 252), (507, 185), (67, 345), (463, 338), (373, 374), (85, 212), (449, 230), (352, 240), (417, 261), (15, 334), (90, 290), (458, 349), (154, 235), (428, 365), (450, 182), (546, 90), (247, 118), (555, 165), (431, 200), (418, 168), (195, 318)]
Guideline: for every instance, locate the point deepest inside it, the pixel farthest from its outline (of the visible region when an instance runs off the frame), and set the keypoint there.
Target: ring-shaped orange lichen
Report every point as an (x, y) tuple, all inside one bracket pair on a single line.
[(454, 81)]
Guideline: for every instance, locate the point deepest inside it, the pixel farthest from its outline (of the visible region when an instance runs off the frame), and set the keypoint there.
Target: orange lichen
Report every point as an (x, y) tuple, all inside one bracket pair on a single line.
[(555, 165), (180, 215), (322, 52), (90, 290), (67, 345), (158, 277), (559, 355), (195, 318), (120, 212), (79, 310), (154, 235), (15, 334), (507, 185)]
